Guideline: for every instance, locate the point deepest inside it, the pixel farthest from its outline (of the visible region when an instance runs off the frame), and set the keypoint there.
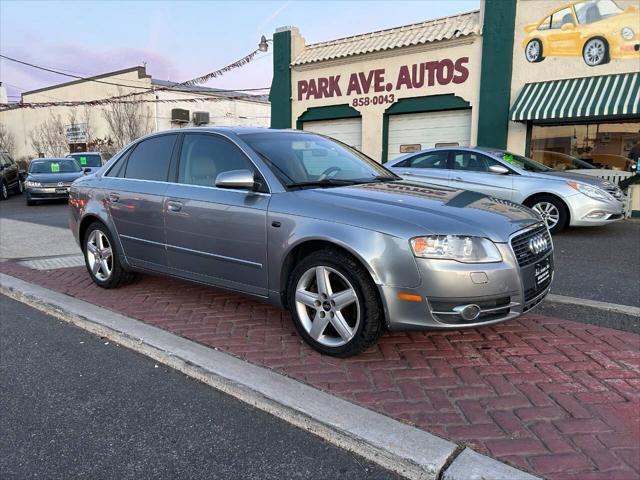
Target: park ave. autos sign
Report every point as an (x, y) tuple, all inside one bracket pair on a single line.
[(373, 87)]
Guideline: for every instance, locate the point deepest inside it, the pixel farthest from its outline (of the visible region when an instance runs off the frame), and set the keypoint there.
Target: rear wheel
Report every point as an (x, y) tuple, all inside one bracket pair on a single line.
[(552, 211), (334, 304), (595, 52), (4, 191), (533, 51), (101, 258)]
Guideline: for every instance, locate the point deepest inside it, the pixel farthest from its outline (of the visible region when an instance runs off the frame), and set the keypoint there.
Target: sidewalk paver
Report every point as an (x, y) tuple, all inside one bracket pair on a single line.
[(558, 398)]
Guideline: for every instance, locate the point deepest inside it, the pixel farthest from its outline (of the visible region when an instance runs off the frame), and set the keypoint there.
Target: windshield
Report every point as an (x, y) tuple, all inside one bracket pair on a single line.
[(298, 158), (61, 165), (521, 162), (88, 159), (596, 10)]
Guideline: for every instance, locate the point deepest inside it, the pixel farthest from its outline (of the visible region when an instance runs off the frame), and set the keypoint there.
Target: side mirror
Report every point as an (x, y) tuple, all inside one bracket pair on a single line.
[(499, 169), (86, 170), (567, 26), (236, 179)]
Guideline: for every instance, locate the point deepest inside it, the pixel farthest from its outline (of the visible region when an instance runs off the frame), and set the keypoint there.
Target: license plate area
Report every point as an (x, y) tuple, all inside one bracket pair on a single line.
[(62, 190), (542, 272)]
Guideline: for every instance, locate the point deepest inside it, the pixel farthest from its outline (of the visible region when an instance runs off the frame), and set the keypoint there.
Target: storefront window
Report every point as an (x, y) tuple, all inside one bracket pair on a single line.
[(603, 145)]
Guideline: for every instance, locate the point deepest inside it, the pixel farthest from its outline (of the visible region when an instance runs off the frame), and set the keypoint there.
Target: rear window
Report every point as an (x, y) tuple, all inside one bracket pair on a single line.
[(150, 159)]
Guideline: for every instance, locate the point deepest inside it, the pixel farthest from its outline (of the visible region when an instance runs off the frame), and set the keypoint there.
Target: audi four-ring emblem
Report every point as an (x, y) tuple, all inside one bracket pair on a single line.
[(538, 244)]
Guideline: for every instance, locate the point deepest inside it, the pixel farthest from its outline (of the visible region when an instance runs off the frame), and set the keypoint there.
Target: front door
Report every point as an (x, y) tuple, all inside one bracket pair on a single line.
[(563, 38), (134, 196), (471, 172), (213, 234)]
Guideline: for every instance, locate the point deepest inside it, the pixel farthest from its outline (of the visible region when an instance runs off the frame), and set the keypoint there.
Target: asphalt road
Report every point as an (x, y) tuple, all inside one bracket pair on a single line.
[(76, 406), (52, 213)]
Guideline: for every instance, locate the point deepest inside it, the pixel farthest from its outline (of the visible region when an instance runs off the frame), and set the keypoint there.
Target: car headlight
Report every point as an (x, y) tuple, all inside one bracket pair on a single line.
[(590, 191), (627, 33), (29, 183), (456, 247)]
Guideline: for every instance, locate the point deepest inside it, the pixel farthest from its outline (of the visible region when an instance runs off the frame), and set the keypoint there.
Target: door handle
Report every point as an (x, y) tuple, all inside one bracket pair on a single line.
[(457, 179), (174, 206), (114, 197)]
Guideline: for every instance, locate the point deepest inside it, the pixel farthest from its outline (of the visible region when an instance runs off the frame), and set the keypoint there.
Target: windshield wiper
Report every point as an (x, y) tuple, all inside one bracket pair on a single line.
[(327, 182)]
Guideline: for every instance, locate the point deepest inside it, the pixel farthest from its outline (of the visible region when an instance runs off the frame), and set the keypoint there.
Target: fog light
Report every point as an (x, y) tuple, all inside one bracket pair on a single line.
[(468, 312), (597, 214)]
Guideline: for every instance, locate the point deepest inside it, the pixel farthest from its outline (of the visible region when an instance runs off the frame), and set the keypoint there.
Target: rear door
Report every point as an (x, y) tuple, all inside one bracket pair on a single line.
[(429, 167), (214, 234), (134, 196), (470, 171)]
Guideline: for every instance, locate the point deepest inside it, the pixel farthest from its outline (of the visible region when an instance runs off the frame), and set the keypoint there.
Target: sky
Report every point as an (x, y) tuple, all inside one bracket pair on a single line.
[(180, 40)]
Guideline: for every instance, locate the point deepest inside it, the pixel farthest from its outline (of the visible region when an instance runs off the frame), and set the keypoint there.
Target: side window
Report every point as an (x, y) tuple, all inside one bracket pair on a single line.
[(204, 157), (562, 17), (427, 160), (545, 24), (150, 159), (472, 162)]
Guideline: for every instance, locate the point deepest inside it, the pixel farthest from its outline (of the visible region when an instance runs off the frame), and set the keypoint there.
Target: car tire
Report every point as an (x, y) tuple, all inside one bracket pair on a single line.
[(552, 210), (348, 314), (533, 51), (102, 258), (596, 52), (4, 190)]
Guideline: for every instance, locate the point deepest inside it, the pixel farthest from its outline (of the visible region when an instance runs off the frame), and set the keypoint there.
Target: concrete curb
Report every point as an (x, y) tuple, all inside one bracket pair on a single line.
[(396, 446), (583, 302)]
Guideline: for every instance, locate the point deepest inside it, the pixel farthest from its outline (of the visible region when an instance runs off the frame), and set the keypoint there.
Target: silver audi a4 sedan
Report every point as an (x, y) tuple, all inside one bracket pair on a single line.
[(561, 198), (312, 226)]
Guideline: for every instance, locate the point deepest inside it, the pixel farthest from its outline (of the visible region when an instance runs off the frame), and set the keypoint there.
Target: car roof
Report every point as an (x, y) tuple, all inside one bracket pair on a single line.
[(48, 159), (84, 153), (488, 150)]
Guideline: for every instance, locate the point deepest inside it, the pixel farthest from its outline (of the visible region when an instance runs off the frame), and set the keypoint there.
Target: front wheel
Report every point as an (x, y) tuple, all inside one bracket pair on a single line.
[(334, 304), (4, 191), (101, 258), (552, 211), (595, 52)]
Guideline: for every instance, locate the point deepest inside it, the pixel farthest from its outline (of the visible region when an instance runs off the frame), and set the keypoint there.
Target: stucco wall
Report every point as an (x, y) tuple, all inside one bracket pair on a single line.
[(552, 67), (391, 61)]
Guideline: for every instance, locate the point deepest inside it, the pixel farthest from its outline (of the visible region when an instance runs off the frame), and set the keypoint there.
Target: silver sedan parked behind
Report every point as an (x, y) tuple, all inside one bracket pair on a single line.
[(561, 198), (314, 226)]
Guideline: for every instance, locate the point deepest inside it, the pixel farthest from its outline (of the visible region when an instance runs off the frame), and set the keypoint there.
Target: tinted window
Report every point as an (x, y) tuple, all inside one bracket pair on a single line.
[(561, 18), (427, 160), (150, 159), (204, 157), (472, 161)]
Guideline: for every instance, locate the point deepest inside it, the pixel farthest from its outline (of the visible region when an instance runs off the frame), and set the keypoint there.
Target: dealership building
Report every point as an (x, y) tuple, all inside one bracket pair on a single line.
[(473, 79)]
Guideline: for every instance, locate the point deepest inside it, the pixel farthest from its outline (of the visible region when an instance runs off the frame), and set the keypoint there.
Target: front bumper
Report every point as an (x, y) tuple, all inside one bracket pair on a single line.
[(585, 211), (502, 290), (47, 193)]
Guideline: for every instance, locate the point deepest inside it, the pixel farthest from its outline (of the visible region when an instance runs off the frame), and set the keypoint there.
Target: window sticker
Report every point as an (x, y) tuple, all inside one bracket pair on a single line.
[(55, 168), (83, 161), (507, 157)]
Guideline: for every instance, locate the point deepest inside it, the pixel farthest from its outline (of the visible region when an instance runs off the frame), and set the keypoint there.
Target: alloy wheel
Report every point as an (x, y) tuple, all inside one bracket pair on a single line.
[(533, 51), (594, 52), (549, 213), (5, 192), (99, 255), (327, 306)]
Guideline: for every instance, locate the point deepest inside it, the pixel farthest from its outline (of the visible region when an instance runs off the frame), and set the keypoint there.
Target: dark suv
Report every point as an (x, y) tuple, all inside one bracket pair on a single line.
[(11, 178)]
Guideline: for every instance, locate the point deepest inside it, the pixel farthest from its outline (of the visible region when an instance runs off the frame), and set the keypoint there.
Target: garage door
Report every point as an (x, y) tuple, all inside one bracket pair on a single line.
[(346, 130), (417, 131)]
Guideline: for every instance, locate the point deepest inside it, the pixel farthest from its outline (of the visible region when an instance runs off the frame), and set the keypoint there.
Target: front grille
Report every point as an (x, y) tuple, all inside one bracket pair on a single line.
[(520, 245), (491, 309)]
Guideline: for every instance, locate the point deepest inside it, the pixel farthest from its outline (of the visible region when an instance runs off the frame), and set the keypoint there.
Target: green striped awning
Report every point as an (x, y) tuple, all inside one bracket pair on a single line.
[(601, 96)]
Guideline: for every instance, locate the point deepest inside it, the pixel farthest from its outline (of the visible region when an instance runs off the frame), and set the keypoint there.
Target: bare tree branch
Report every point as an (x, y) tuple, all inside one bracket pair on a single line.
[(7, 140), (127, 121)]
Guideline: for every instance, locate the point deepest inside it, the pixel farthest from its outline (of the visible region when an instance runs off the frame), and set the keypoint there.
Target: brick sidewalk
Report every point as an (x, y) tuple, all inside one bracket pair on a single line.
[(558, 398)]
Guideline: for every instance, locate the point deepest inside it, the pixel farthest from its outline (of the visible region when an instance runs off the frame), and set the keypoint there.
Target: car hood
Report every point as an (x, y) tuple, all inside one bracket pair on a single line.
[(407, 209), (577, 177), (54, 177)]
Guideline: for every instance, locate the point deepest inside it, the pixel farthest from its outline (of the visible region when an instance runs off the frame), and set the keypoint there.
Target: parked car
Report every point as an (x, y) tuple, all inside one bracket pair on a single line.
[(50, 178), (11, 177), (312, 225), (561, 198), (90, 161), (597, 30)]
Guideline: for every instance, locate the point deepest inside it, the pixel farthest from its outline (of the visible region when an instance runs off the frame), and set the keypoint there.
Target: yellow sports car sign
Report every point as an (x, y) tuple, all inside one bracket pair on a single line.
[(597, 30)]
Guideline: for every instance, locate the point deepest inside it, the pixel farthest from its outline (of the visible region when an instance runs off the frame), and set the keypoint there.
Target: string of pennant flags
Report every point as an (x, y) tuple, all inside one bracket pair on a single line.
[(127, 98)]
